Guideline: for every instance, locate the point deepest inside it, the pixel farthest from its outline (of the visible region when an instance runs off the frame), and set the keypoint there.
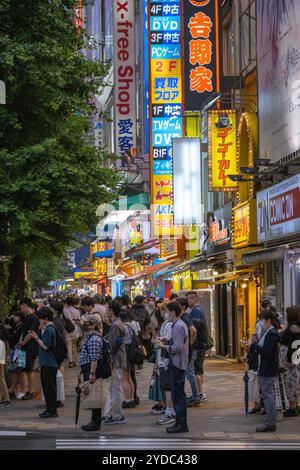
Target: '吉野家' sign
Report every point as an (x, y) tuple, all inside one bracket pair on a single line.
[(202, 51), (278, 210), (222, 150), (165, 106), (124, 75)]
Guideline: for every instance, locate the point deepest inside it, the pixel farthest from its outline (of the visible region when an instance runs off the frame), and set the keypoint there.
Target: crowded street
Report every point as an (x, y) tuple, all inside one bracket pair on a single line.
[(149, 227)]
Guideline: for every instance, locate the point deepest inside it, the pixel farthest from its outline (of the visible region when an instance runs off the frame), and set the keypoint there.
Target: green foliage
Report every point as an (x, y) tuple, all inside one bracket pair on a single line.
[(45, 269), (51, 177)]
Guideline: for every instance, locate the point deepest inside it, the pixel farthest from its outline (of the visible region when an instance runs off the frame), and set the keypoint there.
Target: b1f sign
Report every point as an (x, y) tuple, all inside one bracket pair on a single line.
[(124, 75), (187, 182)]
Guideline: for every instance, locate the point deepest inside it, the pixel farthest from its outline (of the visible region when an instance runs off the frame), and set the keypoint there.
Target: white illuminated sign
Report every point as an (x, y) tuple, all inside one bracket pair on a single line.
[(187, 181)]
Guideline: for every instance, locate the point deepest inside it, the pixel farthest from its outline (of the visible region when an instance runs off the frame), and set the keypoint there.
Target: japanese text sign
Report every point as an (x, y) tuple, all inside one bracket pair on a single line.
[(165, 106), (124, 75), (201, 51), (244, 224), (222, 150)]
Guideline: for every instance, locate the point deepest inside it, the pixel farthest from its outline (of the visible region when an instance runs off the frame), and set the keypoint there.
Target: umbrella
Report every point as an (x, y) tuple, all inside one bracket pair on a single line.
[(246, 392), (78, 393)]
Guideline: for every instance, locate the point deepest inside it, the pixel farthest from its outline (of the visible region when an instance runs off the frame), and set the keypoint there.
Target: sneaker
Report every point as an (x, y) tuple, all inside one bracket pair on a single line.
[(47, 414), (203, 397), (159, 411), (193, 402), (5, 404), (167, 419), (20, 395), (291, 413), (28, 396), (112, 421)]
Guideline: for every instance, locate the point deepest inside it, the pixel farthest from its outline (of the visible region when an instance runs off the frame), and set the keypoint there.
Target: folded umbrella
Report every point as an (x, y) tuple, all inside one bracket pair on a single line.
[(246, 393), (78, 396)]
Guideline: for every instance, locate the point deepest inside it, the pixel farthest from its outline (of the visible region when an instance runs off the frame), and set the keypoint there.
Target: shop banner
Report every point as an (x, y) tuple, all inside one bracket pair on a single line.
[(166, 123), (219, 230), (202, 51), (278, 210), (244, 224), (222, 150), (278, 62), (124, 74)]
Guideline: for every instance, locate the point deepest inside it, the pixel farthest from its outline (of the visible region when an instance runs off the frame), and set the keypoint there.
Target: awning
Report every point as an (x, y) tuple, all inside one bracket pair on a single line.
[(142, 247), (133, 202), (150, 270), (184, 265), (231, 276), (104, 254), (267, 254)]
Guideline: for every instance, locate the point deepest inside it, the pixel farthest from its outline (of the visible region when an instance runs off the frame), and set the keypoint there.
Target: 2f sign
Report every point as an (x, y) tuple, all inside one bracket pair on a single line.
[(296, 354)]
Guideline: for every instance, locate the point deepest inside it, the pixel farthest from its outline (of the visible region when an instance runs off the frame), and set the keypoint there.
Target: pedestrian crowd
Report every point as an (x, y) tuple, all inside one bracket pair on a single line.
[(109, 341)]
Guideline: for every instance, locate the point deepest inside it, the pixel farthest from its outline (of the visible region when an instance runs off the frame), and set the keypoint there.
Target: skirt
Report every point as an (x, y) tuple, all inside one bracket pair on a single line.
[(291, 378), (92, 395), (155, 392)]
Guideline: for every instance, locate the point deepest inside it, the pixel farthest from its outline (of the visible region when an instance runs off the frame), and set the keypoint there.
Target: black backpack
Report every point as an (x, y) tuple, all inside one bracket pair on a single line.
[(135, 350), (202, 339), (69, 325), (105, 365), (61, 349)]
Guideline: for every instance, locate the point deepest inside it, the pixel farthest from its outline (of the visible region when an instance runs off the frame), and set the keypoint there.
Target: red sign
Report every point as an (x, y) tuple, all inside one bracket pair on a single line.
[(285, 207)]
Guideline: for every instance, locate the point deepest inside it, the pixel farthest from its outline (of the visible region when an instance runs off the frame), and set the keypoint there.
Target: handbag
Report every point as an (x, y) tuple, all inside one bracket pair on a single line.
[(17, 361), (164, 379), (69, 325), (152, 357)]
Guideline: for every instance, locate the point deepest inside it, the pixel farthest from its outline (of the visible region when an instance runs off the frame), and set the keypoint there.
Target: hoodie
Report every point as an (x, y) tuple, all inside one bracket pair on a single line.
[(116, 332), (288, 337)]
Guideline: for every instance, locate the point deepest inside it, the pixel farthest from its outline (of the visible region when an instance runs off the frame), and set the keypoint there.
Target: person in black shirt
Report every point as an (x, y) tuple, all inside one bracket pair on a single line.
[(28, 344), (17, 319)]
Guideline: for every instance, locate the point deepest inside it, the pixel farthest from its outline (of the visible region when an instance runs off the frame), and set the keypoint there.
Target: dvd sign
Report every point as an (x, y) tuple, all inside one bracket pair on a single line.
[(278, 210)]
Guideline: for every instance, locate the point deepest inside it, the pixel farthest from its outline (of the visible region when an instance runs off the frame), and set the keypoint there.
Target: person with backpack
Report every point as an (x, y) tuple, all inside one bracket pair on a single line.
[(113, 406), (48, 360), (71, 318), (57, 309), (95, 366), (127, 384), (141, 315), (194, 399), (201, 342)]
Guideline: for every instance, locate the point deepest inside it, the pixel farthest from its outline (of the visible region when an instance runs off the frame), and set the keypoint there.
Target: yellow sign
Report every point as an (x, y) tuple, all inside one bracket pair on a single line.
[(166, 90), (244, 224), (222, 150), (166, 67)]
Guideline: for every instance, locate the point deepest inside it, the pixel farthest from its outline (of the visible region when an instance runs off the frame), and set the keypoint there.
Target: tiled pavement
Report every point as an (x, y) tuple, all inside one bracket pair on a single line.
[(220, 418)]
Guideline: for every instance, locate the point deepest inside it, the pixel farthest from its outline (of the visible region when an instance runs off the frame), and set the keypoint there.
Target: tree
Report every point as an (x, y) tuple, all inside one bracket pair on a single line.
[(52, 177), (45, 269)]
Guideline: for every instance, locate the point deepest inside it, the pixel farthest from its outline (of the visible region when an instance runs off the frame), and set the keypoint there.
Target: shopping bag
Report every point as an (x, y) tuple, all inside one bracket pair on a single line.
[(17, 361), (60, 386)]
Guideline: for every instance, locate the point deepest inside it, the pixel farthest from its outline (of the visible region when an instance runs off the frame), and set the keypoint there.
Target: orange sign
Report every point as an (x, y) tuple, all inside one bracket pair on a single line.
[(244, 224), (222, 150)]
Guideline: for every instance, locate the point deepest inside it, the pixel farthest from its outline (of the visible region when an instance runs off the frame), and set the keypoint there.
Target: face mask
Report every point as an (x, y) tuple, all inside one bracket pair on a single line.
[(151, 303)]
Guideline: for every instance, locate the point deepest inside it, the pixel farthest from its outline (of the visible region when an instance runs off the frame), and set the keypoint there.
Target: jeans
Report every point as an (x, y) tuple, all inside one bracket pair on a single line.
[(267, 386), (48, 380), (190, 375), (113, 405), (177, 377), (133, 378)]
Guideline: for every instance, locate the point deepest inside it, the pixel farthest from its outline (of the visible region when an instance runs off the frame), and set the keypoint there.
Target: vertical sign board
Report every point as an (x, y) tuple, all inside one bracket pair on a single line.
[(201, 51), (124, 74), (166, 108), (222, 149), (146, 76), (187, 181)]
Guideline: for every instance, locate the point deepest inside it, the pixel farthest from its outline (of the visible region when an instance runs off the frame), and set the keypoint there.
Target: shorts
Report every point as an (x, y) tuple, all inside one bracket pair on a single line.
[(199, 363), (30, 359)]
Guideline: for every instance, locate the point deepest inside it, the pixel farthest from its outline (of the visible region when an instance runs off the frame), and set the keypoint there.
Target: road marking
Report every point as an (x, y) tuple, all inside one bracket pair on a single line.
[(164, 444), (13, 433)]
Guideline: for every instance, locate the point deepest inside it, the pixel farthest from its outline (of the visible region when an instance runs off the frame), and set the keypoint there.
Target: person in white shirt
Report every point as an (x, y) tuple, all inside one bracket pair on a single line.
[(71, 313)]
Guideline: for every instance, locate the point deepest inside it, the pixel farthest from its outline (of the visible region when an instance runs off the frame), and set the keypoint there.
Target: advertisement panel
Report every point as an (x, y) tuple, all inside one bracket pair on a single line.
[(219, 230), (146, 76), (187, 182), (164, 21), (124, 75), (278, 61), (244, 224), (222, 150), (202, 51), (278, 210)]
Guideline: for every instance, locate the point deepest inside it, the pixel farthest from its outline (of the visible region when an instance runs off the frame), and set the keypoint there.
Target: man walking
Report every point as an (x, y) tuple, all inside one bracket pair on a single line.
[(178, 351)]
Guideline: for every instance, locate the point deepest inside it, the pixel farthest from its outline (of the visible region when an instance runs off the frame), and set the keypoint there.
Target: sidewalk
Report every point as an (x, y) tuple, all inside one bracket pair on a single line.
[(221, 417)]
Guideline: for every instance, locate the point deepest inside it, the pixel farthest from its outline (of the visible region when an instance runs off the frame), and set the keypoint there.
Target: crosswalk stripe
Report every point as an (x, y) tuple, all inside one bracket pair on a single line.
[(164, 444), (12, 433)]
